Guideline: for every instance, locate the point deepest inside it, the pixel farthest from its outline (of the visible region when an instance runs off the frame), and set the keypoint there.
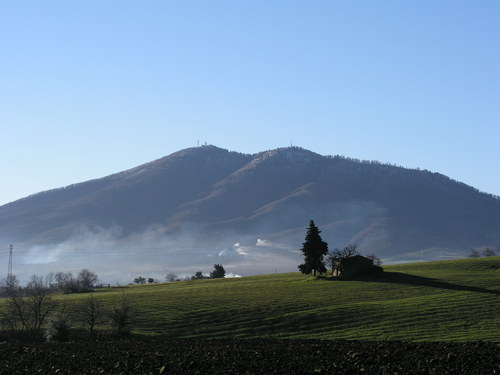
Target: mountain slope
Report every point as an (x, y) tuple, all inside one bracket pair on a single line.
[(253, 209), (133, 199)]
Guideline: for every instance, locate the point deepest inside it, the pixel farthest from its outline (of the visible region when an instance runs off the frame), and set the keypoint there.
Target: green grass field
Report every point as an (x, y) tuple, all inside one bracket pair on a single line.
[(456, 300)]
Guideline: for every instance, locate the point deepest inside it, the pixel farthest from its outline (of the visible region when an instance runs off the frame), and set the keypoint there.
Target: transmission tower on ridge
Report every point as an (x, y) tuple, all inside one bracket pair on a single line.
[(9, 272)]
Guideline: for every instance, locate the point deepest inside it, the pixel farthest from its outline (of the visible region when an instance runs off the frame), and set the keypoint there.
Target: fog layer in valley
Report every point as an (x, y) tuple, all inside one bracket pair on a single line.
[(119, 260)]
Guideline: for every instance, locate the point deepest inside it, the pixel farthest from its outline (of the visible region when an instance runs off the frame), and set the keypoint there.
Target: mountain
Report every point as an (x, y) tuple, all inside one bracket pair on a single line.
[(207, 205)]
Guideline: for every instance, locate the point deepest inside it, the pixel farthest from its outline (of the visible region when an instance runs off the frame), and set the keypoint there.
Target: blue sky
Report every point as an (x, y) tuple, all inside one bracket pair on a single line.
[(90, 88)]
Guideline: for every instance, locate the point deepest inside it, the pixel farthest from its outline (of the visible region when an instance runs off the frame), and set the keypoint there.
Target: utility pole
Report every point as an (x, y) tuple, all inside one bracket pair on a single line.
[(9, 272)]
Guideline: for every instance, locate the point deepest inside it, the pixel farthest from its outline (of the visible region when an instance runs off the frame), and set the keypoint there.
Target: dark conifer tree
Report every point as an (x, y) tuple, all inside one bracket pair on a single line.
[(218, 273), (314, 249)]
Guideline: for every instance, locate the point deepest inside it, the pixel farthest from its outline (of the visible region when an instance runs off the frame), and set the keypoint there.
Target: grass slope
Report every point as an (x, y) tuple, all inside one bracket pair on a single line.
[(457, 300)]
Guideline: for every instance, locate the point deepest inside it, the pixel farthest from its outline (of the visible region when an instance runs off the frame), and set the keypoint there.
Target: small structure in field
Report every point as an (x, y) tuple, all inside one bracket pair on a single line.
[(354, 265)]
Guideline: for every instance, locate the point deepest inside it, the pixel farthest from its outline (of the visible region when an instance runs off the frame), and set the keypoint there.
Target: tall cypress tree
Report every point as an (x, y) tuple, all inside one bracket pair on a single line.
[(314, 249)]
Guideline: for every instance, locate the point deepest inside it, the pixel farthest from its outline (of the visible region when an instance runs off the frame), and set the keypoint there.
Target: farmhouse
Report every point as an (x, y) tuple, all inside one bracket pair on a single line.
[(355, 264)]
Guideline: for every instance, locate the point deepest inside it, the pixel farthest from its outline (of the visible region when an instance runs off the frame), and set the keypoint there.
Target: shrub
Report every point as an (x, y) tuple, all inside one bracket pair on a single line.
[(121, 317), (59, 327)]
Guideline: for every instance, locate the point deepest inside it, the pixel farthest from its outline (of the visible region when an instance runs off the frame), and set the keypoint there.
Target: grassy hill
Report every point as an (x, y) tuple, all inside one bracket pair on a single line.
[(457, 300)]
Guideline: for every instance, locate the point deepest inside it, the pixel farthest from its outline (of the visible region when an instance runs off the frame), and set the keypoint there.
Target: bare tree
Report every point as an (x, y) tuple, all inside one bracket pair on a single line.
[(62, 277), (9, 285), (66, 282), (489, 252), (50, 279), (333, 260), (86, 279), (349, 251), (376, 260), (90, 313), (337, 258), (29, 307), (474, 254)]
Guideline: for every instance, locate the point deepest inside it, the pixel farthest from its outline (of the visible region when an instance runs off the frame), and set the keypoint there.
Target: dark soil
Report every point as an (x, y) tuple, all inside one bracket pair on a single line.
[(250, 357)]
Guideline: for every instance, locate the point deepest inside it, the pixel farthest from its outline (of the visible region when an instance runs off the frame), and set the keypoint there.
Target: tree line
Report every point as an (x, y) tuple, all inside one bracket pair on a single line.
[(486, 251), (218, 272), (32, 313), (65, 282)]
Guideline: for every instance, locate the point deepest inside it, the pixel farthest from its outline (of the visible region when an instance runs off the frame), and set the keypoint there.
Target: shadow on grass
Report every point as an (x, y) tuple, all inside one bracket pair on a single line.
[(403, 278)]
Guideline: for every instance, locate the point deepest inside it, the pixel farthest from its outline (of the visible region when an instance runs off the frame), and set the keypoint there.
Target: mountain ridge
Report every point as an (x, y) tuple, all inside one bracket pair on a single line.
[(183, 151), (216, 198)]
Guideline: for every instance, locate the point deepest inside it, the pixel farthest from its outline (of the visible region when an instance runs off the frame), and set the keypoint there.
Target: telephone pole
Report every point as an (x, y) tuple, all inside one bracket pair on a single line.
[(9, 272)]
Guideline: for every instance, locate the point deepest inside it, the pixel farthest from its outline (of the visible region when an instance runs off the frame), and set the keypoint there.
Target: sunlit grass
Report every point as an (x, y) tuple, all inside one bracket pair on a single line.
[(455, 300)]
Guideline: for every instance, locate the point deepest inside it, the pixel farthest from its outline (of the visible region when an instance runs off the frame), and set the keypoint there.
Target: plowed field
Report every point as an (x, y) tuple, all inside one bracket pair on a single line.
[(250, 357)]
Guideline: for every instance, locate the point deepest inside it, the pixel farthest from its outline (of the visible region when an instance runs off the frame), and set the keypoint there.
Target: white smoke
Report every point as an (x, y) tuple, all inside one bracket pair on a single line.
[(271, 244), (81, 241), (152, 253)]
